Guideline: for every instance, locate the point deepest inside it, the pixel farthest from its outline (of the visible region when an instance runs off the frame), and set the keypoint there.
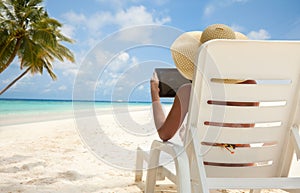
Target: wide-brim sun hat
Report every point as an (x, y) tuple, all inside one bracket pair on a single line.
[(185, 48), (240, 36), (184, 51)]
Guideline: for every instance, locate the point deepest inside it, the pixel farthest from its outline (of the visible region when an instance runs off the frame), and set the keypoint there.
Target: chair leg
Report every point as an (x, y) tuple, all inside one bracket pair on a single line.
[(182, 173), (139, 165), (152, 171)]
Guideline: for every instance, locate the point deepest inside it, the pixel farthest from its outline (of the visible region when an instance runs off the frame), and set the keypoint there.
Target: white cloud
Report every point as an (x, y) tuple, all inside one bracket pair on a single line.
[(97, 21), (103, 68), (135, 15), (123, 57), (46, 90), (70, 72), (141, 87), (68, 30), (102, 56), (75, 18), (138, 35), (67, 68), (259, 35), (119, 75), (92, 26), (237, 28), (119, 64), (103, 72), (63, 87), (138, 16)]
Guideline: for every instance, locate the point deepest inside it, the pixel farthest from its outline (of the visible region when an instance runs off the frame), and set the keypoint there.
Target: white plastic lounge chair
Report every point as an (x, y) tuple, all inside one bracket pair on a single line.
[(210, 158)]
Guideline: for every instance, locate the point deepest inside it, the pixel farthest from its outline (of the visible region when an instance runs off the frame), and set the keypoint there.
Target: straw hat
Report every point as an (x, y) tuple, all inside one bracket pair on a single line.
[(240, 36), (185, 48)]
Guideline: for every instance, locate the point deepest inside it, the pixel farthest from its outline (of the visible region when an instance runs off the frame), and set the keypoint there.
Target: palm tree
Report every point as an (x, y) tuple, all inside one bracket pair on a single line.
[(27, 32)]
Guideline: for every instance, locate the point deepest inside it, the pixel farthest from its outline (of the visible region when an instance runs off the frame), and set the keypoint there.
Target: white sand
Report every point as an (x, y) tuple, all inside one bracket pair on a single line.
[(51, 157)]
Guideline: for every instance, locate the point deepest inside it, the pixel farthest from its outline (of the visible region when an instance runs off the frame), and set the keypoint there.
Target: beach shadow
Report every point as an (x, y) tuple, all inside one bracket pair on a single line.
[(16, 159), (41, 181), (72, 175), (25, 167), (13, 159)]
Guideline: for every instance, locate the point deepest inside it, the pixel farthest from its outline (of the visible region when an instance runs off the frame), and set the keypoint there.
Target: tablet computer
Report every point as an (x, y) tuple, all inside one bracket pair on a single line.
[(170, 80)]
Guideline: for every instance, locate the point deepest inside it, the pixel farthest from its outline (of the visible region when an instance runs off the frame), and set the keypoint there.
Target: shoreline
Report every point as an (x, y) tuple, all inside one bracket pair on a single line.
[(41, 116)]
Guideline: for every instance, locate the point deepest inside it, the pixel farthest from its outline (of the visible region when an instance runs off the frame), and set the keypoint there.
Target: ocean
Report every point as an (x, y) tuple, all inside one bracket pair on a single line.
[(18, 111), (33, 106)]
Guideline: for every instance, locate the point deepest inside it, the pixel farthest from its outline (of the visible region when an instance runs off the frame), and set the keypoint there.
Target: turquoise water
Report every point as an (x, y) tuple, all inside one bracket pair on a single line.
[(27, 106)]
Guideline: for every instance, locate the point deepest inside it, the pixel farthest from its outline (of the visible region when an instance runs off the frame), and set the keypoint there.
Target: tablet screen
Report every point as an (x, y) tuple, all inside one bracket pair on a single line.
[(170, 80)]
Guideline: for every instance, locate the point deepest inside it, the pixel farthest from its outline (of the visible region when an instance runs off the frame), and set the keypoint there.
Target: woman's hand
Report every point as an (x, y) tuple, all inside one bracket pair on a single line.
[(154, 82)]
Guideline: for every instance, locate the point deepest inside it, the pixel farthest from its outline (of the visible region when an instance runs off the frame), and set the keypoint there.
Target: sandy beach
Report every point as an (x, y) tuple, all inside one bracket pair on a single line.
[(52, 156)]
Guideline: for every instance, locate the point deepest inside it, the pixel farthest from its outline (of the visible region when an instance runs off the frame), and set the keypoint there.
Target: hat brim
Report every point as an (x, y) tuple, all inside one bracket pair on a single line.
[(184, 51)]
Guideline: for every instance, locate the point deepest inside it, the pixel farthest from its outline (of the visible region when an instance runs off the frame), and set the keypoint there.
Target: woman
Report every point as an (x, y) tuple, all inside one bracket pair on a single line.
[(184, 51)]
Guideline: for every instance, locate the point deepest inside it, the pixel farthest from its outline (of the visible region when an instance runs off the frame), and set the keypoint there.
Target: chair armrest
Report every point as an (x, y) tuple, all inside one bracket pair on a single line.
[(168, 147), (296, 140)]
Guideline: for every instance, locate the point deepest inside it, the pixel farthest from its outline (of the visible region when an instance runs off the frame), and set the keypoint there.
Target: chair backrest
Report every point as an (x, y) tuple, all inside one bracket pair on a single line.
[(235, 138)]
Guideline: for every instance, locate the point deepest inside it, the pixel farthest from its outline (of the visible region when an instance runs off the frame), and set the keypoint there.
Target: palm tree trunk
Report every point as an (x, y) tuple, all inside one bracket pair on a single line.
[(15, 80)]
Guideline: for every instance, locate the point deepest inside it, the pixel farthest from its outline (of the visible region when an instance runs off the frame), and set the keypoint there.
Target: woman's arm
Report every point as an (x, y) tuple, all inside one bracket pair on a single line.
[(158, 113), (168, 126)]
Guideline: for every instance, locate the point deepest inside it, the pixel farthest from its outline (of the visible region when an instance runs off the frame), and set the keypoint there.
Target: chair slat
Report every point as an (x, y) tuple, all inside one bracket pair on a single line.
[(243, 135), (240, 155), (229, 114), (251, 92), (240, 172), (242, 60)]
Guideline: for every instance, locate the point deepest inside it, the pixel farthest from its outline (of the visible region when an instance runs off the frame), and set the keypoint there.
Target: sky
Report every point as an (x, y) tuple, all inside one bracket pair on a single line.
[(118, 43)]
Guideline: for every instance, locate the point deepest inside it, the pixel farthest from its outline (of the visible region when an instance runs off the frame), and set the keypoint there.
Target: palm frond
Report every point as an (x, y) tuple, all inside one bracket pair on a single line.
[(63, 38), (27, 31), (44, 37), (27, 52), (51, 22), (33, 3), (6, 10), (65, 52), (49, 69), (7, 47)]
